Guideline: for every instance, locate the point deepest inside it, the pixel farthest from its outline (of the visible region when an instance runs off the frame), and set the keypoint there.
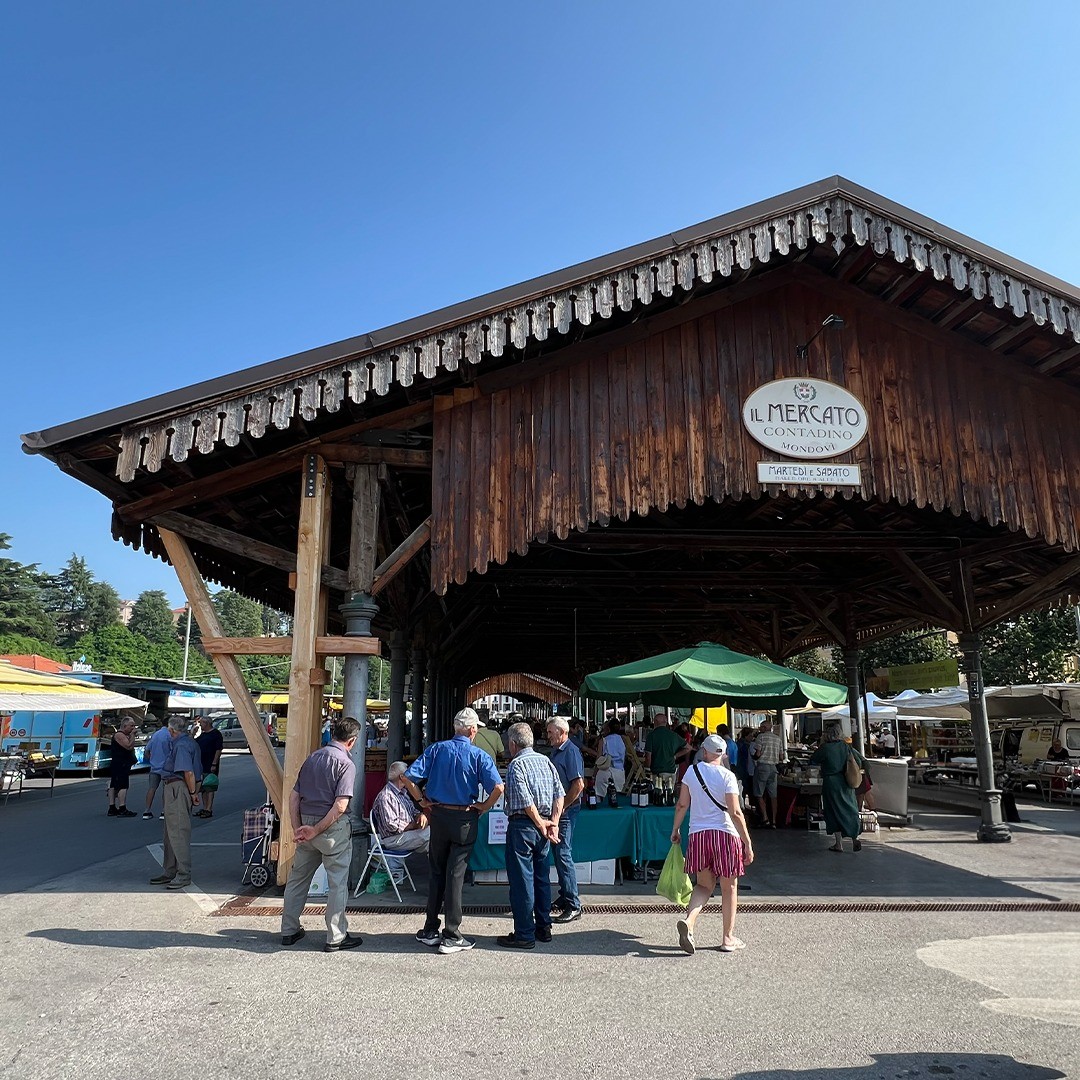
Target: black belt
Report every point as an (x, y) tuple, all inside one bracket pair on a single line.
[(450, 806), (525, 814)]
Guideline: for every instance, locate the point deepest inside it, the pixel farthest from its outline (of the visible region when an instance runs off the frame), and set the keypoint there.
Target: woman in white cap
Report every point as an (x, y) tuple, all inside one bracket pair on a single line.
[(720, 844)]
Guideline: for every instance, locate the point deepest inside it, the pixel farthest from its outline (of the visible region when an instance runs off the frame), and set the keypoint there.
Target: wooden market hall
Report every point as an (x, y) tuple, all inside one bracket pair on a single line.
[(569, 473)]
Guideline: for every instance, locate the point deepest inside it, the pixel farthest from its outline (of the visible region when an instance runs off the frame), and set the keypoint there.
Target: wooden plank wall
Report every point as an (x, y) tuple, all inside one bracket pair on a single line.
[(659, 421)]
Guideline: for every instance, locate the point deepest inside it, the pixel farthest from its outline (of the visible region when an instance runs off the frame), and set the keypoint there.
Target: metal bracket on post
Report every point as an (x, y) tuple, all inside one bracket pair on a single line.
[(311, 475)]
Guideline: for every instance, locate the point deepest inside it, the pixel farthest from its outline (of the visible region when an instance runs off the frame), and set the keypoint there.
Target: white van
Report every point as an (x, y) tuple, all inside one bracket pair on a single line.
[(1037, 739)]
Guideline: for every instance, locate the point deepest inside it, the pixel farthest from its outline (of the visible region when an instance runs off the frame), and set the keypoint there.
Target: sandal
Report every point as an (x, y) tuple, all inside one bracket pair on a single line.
[(833, 847), (735, 946), (686, 937)]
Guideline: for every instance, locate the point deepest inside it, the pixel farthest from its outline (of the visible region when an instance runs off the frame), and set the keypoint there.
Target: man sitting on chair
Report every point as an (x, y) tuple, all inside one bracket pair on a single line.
[(401, 826)]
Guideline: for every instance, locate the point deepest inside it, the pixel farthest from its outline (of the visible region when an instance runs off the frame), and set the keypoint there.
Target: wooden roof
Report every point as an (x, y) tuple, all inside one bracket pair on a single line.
[(968, 359)]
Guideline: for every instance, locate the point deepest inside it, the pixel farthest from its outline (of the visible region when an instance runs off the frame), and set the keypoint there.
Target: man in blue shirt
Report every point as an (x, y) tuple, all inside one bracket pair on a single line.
[(568, 762), (455, 771), (180, 776), (157, 750), (732, 747)]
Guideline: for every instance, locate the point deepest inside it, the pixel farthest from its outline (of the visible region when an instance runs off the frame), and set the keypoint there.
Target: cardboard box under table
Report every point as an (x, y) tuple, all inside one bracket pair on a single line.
[(600, 836)]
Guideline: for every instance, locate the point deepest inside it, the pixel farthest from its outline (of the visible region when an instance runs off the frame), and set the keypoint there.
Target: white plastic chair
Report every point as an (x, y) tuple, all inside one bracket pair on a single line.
[(393, 862)]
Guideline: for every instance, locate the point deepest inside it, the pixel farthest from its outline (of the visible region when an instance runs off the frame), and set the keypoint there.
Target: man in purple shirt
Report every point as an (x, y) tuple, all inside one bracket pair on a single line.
[(318, 810)]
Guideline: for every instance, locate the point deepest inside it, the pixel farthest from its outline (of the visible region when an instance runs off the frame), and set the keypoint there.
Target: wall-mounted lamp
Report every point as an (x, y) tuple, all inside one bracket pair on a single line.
[(833, 322)]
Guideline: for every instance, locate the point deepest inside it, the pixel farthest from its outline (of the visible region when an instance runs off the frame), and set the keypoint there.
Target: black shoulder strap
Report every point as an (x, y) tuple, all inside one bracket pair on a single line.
[(705, 788)]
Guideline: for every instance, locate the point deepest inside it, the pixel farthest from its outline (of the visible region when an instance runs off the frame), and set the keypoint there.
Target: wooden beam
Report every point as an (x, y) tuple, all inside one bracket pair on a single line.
[(947, 609), (232, 677), (401, 556), (357, 454), (305, 700), (238, 544), (1044, 589), (282, 646)]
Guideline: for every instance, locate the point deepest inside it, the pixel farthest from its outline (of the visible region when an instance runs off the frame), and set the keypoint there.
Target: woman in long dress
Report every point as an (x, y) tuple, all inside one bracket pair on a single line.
[(837, 796)]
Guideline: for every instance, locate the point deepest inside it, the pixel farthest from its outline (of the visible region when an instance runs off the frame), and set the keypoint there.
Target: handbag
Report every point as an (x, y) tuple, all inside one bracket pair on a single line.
[(853, 775), (210, 782), (675, 884)]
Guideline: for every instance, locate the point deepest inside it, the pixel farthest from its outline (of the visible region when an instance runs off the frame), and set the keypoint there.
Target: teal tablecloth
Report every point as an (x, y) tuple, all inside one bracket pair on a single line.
[(600, 834), (654, 832)]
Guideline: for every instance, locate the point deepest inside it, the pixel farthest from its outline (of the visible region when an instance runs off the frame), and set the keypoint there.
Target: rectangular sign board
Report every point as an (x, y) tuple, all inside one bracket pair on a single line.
[(808, 472), (931, 675)]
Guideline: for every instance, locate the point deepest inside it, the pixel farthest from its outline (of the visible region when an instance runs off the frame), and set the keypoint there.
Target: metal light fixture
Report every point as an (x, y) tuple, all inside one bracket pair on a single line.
[(832, 322)]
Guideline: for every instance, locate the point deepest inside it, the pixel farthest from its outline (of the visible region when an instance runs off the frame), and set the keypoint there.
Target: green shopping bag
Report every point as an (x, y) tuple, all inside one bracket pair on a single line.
[(379, 882), (674, 884)]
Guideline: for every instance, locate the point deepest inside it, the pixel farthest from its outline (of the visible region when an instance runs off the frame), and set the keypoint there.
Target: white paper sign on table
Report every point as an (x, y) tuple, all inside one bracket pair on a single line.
[(496, 827)]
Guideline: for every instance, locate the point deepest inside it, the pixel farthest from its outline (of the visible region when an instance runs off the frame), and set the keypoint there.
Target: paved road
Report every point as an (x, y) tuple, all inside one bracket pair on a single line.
[(42, 839)]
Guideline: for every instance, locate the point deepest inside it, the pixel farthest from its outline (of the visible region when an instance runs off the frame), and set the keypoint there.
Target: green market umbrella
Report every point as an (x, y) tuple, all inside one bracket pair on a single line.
[(709, 674)]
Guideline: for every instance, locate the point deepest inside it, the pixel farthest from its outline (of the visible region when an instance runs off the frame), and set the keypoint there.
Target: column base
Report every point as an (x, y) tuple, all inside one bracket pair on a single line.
[(995, 833)]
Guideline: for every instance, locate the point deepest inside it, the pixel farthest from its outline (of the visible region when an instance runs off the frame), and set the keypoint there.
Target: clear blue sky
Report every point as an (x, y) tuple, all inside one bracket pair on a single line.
[(191, 188)]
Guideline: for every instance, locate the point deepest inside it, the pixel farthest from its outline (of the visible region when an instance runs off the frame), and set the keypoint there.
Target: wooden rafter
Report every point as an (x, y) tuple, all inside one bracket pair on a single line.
[(401, 556), (232, 677), (325, 645)]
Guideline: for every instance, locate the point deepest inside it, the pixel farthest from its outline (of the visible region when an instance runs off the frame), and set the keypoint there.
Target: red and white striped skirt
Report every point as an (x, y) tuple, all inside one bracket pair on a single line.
[(715, 850)]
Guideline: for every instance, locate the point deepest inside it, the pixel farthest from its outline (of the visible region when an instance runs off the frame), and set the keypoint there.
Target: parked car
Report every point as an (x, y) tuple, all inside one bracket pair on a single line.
[(232, 734)]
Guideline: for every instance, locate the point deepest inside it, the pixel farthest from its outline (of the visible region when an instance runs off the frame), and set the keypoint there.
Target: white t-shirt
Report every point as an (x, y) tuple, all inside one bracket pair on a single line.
[(704, 813)]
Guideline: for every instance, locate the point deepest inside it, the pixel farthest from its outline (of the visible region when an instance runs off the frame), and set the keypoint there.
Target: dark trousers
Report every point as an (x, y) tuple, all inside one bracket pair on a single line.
[(453, 833)]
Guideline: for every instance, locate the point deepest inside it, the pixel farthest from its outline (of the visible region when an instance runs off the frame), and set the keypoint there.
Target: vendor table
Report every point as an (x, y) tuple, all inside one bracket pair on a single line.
[(654, 832), (602, 833), (790, 794)]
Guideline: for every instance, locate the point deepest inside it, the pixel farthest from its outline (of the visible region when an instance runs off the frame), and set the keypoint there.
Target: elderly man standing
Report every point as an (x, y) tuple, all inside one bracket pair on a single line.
[(400, 825), (157, 749), (568, 762), (766, 751), (180, 777), (455, 771), (661, 745), (319, 811), (534, 802)]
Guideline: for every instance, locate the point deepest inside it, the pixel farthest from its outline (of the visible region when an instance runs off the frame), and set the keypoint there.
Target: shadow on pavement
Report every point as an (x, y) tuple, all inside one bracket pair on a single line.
[(988, 1066), (244, 940)]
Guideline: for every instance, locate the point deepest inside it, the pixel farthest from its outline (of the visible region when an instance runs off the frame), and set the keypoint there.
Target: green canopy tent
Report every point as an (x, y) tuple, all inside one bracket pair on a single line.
[(710, 674)]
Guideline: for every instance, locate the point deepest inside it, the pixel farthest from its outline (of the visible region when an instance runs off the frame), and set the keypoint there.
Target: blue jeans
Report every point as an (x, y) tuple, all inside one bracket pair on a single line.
[(527, 871), (563, 855)]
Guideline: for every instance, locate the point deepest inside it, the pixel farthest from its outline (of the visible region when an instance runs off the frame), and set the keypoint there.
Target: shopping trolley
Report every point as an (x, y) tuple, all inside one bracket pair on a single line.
[(260, 845)]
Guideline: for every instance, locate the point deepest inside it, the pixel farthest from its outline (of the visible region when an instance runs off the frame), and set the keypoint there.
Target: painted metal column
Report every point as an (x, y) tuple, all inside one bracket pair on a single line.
[(358, 611), (416, 727), (993, 828), (399, 662), (852, 658)]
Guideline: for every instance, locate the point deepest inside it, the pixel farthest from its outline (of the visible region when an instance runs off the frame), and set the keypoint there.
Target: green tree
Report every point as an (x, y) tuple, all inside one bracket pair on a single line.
[(817, 662), (1037, 647), (22, 610), (67, 595), (21, 645), (239, 616), (103, 606), (151, 617)]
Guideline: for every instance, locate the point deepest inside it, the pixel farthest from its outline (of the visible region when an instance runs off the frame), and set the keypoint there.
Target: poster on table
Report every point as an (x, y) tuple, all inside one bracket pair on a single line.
[(496, 827)]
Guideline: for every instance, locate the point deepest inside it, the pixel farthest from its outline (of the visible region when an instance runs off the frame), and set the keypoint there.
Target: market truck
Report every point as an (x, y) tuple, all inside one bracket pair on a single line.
[(1037, 739), (80, 739)]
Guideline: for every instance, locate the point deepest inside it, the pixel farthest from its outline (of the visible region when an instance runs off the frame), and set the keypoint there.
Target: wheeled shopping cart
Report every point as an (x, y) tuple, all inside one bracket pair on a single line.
[(259, 843)]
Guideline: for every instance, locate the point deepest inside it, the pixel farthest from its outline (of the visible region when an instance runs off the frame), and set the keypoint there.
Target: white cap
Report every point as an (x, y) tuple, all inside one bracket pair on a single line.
[(715, 745)]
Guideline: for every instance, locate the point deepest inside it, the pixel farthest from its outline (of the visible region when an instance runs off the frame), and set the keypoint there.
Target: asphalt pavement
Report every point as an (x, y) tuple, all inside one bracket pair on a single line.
[(107, 976)]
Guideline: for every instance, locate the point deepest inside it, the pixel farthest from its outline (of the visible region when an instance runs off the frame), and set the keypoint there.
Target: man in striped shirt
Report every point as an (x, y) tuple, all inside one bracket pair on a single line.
[(534, 803), (766, 751)]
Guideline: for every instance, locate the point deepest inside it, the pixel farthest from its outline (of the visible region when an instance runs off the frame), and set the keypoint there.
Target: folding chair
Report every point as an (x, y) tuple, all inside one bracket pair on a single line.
[(393, 862)]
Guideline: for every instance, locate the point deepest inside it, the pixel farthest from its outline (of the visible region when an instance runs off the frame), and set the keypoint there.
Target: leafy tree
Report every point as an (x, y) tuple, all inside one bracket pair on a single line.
[(103, 606), (1040, 646), (67, 595), (21, 645), (820, 663), (21, 608), (117, 649), (907, 647), (239, 616), (151, 617)]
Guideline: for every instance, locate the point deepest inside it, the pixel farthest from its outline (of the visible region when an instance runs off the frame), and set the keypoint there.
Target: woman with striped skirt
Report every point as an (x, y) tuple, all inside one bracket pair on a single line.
[(720, 844)]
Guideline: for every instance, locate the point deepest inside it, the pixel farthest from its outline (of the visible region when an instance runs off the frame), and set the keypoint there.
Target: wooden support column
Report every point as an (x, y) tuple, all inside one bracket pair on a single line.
[(306, 676), (399, 663), (232, 678), (416, 727), (359, 609)]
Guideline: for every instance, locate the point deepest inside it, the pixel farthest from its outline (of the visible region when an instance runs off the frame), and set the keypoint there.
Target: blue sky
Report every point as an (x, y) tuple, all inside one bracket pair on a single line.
[(188, 189)]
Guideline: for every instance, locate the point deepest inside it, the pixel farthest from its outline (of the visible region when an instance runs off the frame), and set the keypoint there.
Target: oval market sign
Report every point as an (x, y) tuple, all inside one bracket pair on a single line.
[(805, 418)]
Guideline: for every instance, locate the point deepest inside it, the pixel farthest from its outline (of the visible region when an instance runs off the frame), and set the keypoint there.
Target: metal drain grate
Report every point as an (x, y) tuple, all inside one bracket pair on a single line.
[(243, 906)]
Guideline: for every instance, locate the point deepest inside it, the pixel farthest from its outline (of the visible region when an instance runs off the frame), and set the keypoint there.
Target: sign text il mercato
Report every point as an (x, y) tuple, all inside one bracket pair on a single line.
[(806, 419)]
